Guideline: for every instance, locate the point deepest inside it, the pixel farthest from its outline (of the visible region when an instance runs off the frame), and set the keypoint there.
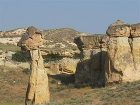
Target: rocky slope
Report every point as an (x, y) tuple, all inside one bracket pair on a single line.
[(57, 41), (13, 33), (60, 41)]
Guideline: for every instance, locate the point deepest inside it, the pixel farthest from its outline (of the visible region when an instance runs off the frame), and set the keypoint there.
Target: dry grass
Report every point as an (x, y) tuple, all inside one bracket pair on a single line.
[(13, 87), (9, 47)]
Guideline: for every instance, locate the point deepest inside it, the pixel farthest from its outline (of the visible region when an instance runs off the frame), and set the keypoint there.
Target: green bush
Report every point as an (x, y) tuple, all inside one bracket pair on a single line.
[(9, 47), (21, 56), (52, 57)]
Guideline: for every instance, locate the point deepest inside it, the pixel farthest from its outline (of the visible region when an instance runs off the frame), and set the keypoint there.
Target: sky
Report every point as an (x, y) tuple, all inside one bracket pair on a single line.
[(91, 16)]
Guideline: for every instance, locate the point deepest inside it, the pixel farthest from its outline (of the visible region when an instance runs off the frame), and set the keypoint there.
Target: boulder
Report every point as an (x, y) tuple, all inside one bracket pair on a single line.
[(33, 39), (64, 65)]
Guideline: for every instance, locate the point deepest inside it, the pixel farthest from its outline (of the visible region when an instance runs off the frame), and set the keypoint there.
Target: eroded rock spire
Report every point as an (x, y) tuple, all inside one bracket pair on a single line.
[(38, 89)]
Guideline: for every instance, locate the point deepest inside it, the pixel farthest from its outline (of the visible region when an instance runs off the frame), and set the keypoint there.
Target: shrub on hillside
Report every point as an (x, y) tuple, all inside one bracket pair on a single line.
[(21, 56)]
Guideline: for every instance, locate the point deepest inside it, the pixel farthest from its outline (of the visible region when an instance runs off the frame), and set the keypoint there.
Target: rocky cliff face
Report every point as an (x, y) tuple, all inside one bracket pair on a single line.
[(111, 58)]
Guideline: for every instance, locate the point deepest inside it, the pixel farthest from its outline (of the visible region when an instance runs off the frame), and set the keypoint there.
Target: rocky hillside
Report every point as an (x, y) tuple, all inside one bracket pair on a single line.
[(59, 49), (60, 41), (13, 33), (57, 41)]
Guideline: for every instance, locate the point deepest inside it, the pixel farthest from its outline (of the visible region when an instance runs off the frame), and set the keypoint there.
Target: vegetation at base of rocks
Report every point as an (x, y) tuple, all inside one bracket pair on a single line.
[(13, 84), (9, 47), (21, 56), (77, 56), (52, 57)]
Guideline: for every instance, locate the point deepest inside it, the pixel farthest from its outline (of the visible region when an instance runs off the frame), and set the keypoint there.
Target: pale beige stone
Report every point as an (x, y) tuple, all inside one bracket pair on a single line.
[(136, 52), (136, 58), (121, 57), (119, 29), (135, 30), (38, 89)]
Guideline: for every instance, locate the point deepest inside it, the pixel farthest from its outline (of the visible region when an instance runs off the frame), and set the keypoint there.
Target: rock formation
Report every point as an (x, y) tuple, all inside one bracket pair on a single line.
[(90, 69), (114, 57), (135, 48), (86, 44), (38, 90), (123, 50), (64, 65), (119, 51)]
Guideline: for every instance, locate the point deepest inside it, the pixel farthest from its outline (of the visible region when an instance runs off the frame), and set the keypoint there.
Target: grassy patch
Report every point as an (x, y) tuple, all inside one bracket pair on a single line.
[(9, 47), (21, 56), (52, 57)]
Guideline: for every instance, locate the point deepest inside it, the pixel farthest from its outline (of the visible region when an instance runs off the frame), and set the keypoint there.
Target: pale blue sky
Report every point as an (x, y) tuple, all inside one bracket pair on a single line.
[(91, 16)]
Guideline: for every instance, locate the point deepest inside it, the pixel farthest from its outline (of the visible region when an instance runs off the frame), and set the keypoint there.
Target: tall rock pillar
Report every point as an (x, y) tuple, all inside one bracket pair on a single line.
[(120, 52), (38, 89)]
